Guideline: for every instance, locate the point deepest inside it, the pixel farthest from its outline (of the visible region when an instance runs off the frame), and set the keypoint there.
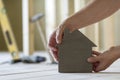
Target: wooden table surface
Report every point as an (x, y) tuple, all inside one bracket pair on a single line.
[(45, 71)]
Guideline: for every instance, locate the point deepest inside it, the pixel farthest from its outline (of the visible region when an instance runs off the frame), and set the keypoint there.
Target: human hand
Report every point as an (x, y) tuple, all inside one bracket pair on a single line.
[(53, 45), (103, 61), (60, 30), (56, 37)]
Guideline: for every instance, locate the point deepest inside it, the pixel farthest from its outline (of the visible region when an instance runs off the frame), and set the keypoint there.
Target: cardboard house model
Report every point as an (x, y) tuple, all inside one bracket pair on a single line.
[(73, 53)]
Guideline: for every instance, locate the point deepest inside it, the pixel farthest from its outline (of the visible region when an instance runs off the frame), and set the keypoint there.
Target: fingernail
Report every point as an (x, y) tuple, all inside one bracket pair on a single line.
[(54, 49), (89, 60), (58, 41)]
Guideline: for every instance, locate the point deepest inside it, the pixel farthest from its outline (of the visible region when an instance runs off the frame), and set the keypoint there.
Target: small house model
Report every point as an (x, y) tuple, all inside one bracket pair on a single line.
[(73, 53)]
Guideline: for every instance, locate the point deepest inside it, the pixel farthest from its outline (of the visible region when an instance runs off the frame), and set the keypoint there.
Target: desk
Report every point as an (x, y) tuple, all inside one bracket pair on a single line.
[(45, 71)]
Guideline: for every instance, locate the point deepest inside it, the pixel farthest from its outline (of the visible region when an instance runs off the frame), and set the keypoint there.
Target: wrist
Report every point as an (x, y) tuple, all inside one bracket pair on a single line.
[(115, 51), (69, 23), (118, 53)]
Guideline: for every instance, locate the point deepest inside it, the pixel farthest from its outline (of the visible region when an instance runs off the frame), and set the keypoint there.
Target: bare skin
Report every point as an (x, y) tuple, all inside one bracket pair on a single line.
[(104, 60), (95, 11)]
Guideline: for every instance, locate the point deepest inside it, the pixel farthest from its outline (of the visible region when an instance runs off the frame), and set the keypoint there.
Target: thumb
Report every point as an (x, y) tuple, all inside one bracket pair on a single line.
[(59, 35), (101, 66), (93, 59)]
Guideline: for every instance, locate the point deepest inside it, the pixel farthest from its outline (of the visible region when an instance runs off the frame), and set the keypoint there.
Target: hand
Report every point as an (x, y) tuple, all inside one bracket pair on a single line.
[(59, 32), (103, 61), (56, 38), (66, 24), (53, 45)]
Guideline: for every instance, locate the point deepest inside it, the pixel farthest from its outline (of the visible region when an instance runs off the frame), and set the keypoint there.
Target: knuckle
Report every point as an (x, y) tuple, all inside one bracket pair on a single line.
[(112, 48), (104, 68)]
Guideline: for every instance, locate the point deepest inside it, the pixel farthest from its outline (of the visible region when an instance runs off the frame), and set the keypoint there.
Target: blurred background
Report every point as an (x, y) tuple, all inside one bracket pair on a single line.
[(33, 50), (104, 33)]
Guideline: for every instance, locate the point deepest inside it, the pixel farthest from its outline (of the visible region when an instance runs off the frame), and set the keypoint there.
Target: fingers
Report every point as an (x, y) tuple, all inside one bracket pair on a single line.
[(95, 62), (101, 61), (95, 65), (53, 48), (98, 64), (55, 53), (101, 66), (59, 34), (53, 45), (93, 59), (96, 53), (52, 42)]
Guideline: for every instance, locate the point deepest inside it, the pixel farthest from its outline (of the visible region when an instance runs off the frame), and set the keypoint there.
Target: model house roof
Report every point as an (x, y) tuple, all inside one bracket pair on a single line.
[(77, 37)]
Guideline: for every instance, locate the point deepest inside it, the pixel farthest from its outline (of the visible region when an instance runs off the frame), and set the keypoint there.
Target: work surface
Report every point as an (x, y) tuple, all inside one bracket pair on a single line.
[(46, 71)]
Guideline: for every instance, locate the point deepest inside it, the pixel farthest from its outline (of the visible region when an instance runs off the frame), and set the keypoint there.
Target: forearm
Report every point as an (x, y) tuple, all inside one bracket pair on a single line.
[(115, 51), (92, 13)]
